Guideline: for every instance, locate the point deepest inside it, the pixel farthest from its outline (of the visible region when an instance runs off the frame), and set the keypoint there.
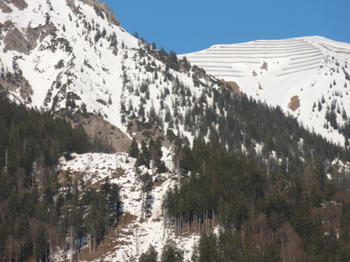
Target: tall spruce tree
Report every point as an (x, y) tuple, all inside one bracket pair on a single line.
[(134, 149)]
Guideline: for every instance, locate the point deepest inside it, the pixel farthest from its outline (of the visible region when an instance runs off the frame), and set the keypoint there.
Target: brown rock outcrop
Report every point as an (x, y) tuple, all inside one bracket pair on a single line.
[(96, 127), (102, 9), (16, 41), (4, 7), (24, 42), (294, 103), (20, 4)]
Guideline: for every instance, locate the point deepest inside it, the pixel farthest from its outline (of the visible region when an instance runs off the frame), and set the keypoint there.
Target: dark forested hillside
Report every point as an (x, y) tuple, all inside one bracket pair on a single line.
[(36, 216), (277, 212)]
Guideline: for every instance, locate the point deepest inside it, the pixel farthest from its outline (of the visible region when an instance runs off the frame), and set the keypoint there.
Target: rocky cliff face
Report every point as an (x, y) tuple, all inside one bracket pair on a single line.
[(20, 4), (101, 9)]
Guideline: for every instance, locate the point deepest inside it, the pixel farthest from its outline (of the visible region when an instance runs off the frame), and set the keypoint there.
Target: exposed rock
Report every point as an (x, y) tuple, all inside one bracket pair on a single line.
[(24, 42), (96, 127), (264, 66), (8, 25), (20, 4), (294, 103), (234, 86), (16, 82), (4, 7), (99, 6), (102, 9), (39, 33), (16, 41), (5, 27), (145, 131)]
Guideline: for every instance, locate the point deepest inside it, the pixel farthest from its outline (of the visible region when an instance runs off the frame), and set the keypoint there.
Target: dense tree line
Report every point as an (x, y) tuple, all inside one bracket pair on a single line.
[(36, 214), (286, 210), (170, 253)]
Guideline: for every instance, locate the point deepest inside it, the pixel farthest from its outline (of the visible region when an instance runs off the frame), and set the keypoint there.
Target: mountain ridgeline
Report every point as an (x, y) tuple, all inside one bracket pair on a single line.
[(307, 77)]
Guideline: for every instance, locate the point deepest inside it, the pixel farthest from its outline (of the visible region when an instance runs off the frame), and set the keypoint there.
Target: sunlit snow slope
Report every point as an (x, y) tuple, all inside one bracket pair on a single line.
[(147, 225), (71, 55), (305, 76)]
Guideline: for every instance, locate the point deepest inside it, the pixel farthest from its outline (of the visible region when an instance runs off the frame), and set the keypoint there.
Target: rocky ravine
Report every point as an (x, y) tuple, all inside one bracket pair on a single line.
[(143, 222)]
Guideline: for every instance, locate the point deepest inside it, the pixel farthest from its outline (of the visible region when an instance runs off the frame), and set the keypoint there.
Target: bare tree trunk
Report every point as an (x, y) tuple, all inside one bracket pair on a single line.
[(6, 160), (188, 224), (90, 242), (243, 237)]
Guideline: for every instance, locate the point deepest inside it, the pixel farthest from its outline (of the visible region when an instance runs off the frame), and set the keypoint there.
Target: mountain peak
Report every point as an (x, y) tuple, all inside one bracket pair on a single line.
[(295, 74), (102, 9)]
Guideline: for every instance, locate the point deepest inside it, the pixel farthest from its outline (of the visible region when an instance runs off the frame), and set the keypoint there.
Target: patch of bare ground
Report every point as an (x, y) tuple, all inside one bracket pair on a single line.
[(264, 66), (234, 86), (98, 128), (16, 41), (20, 4), (4, 7), (158, 183), (24, 41), (101, 8), (126, 219), (142, 131), (112, 241), (67, 178), (107, 246), (294, 103), (116, 174)]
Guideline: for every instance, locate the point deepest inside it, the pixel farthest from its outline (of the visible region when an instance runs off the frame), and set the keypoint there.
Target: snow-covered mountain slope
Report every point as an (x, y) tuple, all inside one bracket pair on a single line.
[(143, 222), (307, 77), (62, 56), (74, 56)]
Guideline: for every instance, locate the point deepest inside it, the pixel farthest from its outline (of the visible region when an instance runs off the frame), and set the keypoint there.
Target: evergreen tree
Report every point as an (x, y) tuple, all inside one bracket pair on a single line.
[(144, 156), (134, 149), (171, 254), (149, 256), (41, 245)]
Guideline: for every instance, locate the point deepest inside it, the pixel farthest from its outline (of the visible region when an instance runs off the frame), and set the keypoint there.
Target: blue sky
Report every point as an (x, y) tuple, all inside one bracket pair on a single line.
[(191, 25)]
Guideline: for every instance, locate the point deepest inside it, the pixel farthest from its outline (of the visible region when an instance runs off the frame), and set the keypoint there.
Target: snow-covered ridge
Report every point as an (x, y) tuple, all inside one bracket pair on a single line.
[(296, 74), (145, 229), (72, 58), (77, 60)]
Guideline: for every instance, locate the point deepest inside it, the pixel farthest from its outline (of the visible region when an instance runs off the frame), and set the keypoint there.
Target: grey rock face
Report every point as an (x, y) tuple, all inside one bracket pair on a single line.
[(20, 4)]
